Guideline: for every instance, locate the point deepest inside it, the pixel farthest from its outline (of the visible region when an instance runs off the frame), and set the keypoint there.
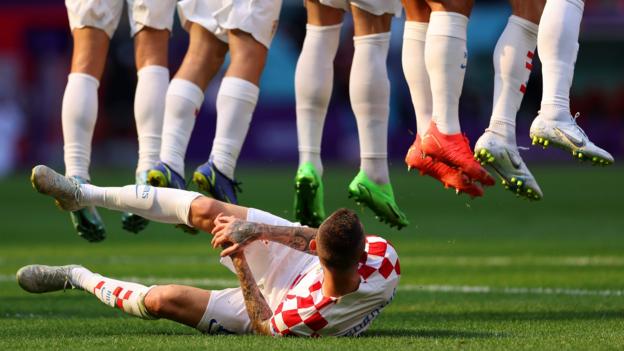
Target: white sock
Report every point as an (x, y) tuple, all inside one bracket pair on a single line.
[(115, 293), (557, 42), (446, 57), (413, 60), (80, 105), (163, 205), (149, 112), (369, 91), (236, 102), (184, 99), (314, 78), (513, 57)]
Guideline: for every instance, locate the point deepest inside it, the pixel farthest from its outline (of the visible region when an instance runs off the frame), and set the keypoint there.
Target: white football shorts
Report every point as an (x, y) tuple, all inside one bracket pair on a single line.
[(256, 17), (376, 7), (274, 266), (105, 14)]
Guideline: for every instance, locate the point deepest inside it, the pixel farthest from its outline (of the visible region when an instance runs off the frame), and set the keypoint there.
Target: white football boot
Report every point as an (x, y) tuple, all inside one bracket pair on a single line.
[(65, 190), (563, 132), (39, 279), (493, 151)]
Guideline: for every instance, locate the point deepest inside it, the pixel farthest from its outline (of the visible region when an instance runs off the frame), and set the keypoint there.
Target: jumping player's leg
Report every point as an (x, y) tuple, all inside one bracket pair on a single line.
[(446, 61), (91, 35), (150, 25), (236, 102), (185, 95), (248, 26), (417, 14), (513, 57), (557, 43), (413, 60), (80, 101), (369, 92), (314, 78), (446, 55), (150, 51)]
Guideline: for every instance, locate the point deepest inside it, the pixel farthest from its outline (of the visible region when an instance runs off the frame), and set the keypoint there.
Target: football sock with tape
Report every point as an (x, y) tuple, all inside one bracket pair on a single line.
[(369, 92), (314, 78), (114, 293), (513, 60), (79, 113), (149, 111), (184, 99), (446, 59), (236, 102), (413, 60), (164, 205), (557, 43)]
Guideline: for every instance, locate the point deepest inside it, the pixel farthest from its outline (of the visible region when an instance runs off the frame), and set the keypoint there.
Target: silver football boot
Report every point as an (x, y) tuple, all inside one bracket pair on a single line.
[(65, 190), (39, 279), (563, 132), (493, 151)]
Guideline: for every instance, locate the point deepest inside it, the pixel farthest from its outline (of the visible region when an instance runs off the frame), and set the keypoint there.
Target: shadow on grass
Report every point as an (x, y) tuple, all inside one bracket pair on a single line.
[(432, 333)]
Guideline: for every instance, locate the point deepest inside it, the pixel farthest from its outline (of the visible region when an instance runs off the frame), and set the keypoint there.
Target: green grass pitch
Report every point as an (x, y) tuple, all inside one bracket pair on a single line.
[(492, 273)]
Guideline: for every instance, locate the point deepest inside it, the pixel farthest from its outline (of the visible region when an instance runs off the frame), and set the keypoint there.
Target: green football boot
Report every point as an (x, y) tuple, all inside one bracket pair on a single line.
[(130, 221), (87, 221), (379, 198), (309, 208)]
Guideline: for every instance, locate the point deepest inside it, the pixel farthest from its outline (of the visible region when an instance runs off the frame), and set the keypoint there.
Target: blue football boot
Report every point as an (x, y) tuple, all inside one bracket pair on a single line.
[(210, 180), (164, 177)]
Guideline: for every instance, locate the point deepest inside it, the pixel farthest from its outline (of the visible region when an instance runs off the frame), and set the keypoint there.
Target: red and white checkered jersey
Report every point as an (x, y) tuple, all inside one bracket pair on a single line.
[(305, 311)]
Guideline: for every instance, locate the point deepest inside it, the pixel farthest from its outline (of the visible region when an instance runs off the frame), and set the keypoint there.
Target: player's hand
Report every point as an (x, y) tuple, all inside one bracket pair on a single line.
[(234, 233)]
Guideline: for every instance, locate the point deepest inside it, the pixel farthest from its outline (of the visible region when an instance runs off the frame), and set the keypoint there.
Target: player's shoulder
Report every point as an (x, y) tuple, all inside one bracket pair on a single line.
[(379, 246), (380, 260)]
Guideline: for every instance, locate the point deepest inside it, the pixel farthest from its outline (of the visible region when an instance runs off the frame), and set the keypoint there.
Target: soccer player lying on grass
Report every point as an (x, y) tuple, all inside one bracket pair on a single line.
[(293, 280)]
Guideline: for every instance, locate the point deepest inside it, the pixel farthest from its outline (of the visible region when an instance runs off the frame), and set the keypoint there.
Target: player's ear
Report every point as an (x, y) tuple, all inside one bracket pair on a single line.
[(313, 245)]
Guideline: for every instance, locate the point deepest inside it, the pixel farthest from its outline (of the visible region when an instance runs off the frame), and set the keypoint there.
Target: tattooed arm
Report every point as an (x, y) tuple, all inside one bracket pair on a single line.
[(240, 233), (257, 308)]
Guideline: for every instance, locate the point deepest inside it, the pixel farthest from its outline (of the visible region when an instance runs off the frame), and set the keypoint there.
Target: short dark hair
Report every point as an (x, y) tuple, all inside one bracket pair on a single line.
[(340, 240)]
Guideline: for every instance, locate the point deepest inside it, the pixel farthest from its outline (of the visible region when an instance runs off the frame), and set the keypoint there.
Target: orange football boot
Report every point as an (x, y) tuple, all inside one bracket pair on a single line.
[(448, 176), (454, 150)]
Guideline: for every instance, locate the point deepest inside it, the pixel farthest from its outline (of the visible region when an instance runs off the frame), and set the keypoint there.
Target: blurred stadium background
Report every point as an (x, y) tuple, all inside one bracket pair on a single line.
[(35, 51)]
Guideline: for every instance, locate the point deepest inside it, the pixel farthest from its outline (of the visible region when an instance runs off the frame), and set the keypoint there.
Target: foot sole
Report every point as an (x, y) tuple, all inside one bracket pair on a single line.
[(157, 178), (577, 154), (202, 183), (363, 196), (514, 184), (305, 191), (133, 223)]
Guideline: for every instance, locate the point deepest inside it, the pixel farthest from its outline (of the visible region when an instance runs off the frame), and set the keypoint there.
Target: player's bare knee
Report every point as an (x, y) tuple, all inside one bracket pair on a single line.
[(460, 6), (151, 47), (365, 23), (161, 301), (531, 10), (416, 10)]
